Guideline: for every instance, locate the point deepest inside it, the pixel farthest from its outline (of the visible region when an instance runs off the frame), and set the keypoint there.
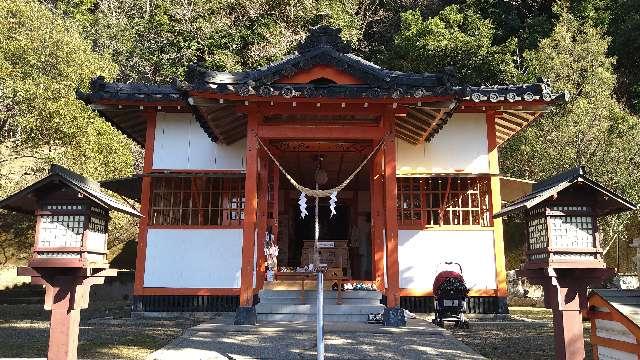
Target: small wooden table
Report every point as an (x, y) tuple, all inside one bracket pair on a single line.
[(330, 275)]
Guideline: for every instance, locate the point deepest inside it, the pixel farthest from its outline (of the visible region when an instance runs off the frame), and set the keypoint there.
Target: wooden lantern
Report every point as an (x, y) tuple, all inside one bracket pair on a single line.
[(562, 214), (562, 252), (562, 236), (71, 233), (70, 250), (72, 218)]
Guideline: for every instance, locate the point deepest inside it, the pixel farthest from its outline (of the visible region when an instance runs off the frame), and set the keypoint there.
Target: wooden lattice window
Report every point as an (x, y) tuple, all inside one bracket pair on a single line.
[(434, 201), (197, 201)]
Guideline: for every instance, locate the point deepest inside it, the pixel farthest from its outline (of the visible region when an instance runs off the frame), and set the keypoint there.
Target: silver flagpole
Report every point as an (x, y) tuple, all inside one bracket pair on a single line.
[(320, 288)]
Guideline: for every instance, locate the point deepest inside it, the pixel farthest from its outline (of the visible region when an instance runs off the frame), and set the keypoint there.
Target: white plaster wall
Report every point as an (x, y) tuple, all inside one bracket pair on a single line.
[(461, 146), (614, 330), (605, 353), (96, 241), (420, 252), (180, 143), (193, 258)]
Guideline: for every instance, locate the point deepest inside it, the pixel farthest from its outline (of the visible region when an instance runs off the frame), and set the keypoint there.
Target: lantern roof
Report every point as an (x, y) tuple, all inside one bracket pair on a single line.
[(26, 200), (607, 201)]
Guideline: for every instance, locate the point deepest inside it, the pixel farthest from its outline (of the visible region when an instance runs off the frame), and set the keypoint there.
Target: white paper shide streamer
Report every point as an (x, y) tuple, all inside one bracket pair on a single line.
[(303, 205), (333, 199)]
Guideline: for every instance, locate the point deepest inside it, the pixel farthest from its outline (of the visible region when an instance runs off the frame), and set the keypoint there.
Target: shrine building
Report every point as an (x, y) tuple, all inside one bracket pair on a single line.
[(211, 194)]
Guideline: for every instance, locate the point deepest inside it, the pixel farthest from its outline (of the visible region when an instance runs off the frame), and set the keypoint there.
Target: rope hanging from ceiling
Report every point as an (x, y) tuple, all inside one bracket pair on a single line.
[(317, 193)]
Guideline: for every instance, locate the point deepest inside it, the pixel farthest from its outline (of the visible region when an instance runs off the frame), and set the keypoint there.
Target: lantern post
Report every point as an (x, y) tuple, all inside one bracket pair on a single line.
[(563, 252), (70, 248)]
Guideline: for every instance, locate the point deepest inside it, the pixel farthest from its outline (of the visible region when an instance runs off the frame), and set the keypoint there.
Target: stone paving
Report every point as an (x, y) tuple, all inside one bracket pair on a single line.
[(220, 339)]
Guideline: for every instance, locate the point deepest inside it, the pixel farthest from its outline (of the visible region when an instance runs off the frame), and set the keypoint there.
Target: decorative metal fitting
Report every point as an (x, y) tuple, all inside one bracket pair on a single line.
[(265, 91)]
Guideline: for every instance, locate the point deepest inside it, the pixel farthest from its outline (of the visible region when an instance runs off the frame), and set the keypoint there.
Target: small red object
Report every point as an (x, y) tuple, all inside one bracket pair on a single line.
[(442, 276)]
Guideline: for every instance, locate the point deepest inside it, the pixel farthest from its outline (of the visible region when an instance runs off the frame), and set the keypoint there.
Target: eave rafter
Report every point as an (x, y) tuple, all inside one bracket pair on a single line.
[(221, 119), (421, 123), (510, 122)]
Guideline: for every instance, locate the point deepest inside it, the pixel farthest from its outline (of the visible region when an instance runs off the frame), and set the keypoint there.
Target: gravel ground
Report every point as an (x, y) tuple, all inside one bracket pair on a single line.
[(530, 338), (107, 332)]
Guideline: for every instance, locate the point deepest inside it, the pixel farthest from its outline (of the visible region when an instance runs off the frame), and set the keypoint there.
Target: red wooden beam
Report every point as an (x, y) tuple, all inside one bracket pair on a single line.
[(145, 202), (377, 218), (391, 217), (336, 108), (249, 224), (263, 197), (324, 132), (257, 98)]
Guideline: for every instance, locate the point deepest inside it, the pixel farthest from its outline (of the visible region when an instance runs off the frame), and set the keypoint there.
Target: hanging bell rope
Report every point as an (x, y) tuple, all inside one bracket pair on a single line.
[(315, 192)]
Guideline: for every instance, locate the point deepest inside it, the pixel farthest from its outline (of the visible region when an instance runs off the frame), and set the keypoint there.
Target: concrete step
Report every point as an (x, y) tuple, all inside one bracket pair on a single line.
[(328, 309), (312, 300), (359, 318), (310, 297), (328, 294), (292, 297)]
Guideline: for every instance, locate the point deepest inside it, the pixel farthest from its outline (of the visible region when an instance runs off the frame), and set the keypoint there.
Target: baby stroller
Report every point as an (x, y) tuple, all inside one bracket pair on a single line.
[(450, 295)]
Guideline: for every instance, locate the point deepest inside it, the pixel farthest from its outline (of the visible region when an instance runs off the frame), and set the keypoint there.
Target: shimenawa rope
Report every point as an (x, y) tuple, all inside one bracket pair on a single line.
[(316, 192)]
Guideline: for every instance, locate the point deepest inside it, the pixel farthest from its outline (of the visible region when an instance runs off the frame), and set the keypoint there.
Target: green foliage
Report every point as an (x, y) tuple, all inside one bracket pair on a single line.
[(455, 37), (51, 47), (155, 40), (592, 129), (43, 59), (528, 21), (626, 47)]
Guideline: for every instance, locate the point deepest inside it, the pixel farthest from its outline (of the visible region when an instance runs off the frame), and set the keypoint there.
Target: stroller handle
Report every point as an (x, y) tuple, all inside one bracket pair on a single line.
[(452, 263)]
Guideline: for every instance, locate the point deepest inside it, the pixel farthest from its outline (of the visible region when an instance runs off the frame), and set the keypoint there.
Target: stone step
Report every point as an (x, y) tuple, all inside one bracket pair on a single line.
[(328, 309), (279, 294), (358, 318), (312, 300), (310, 297)]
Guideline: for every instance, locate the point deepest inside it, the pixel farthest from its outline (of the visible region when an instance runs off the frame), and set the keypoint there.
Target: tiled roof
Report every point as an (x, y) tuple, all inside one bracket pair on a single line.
[(24, 201), (553, 185)]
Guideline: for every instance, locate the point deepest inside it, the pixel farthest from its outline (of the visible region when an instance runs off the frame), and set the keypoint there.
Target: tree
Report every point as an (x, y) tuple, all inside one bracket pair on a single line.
[(154, 41), (455, 37), (43, 59), (591, 129), (626, 47)]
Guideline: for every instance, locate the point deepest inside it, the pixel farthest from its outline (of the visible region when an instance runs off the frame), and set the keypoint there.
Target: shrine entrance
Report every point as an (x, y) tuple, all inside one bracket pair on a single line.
[(346, 235)]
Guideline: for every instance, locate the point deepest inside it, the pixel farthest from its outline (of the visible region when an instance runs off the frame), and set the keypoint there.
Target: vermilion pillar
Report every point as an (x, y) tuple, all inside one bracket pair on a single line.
[(565, 293), (391, 217), (246, 314), (66, 293), (145, 203), (377, 219), (263, 197)]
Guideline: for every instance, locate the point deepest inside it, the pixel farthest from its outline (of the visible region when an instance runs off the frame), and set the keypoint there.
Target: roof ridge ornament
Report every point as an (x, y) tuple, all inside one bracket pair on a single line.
[(324, 36)]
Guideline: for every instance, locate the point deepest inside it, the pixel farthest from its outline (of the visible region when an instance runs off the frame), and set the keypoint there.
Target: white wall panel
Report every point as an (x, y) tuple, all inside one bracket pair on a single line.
[(605, 353), (614, 330), (461, 146), (180, 143), (421, 252), (193, 258)]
